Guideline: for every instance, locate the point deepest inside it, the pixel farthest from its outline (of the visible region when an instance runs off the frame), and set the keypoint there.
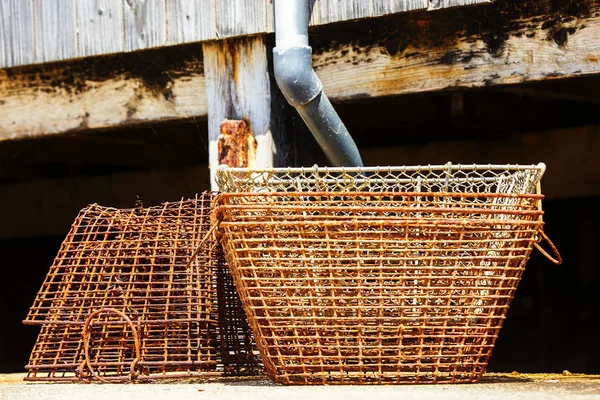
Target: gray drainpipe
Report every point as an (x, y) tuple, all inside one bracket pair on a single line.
[(292, 59)]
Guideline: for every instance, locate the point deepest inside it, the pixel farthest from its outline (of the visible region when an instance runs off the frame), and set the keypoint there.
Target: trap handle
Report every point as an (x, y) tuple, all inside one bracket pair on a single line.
[(556, 258)]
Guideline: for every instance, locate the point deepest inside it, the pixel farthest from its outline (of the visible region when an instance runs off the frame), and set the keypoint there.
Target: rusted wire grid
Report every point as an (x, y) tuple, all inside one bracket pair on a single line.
[(123, 300), (359, 288)]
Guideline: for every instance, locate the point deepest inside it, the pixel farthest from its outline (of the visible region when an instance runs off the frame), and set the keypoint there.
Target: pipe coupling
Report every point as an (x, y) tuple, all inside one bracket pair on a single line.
[(294, 74)]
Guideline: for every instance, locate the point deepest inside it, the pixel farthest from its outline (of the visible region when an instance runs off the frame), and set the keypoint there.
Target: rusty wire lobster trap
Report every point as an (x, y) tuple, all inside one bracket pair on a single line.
[(378, 275), (136, 294)]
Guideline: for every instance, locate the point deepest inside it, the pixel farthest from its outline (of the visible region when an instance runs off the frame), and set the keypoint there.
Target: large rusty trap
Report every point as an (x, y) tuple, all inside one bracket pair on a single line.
[(139, 294), (379, 275)]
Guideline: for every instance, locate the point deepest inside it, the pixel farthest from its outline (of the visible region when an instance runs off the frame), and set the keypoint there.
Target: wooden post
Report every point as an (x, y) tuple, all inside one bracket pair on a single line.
[(238, 88)]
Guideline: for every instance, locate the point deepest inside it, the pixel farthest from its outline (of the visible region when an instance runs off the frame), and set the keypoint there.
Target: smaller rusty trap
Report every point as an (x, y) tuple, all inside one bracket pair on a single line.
[(378, 275), (140, 294)]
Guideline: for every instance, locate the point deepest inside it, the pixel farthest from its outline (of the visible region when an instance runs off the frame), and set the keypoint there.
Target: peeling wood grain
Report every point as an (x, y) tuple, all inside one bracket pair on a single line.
[(383, 7), (240, 17), (98, 93), (189, 21), (439, 4), (5, 54), (16, 31), (238, 87), (330, 10), (54, 41), (100, 27), (144, 24)]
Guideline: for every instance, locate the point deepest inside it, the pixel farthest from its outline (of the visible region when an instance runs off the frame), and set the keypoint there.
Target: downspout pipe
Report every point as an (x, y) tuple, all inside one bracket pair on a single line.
[(295, 76)]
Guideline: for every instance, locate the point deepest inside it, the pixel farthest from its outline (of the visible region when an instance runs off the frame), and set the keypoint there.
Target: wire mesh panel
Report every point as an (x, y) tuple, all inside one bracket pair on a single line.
[(448, 178), (124, 298), (387, 285)]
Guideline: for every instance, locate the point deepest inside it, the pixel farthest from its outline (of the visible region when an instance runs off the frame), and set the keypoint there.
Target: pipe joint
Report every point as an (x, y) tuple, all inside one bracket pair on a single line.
[(294, 74)]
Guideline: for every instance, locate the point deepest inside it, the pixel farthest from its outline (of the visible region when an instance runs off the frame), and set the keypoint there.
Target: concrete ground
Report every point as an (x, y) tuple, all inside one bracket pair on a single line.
[(493, 386)]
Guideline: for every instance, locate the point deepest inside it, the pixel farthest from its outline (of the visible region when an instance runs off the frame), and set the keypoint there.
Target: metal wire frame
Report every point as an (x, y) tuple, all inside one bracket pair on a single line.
[(124, 301), (452, 178), (396, 289), (396, 280)]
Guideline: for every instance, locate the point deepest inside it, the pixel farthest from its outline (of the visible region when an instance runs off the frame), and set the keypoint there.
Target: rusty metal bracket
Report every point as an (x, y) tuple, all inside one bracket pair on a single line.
[(236, 146)]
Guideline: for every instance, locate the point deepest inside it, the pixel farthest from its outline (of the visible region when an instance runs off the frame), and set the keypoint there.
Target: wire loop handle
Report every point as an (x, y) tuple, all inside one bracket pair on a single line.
[(557, 259), (86, 342)]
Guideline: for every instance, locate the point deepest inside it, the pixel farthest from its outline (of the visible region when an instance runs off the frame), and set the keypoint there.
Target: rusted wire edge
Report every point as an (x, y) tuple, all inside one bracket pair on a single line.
[(201, 245), (438, 223), (144, 378), (42, 367), (448, 178), (309, 194), (144, 323), (557, 258), (500, 209), (439, 167)]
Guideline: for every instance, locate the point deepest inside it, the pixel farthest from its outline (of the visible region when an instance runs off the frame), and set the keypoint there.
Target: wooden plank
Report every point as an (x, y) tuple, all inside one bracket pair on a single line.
[(16, 32), (238, 87), (111, 26), (100, 26), (4, 35), (384, 7), (54, 30), (334, 10), (570, 173), (240, 17), (144, 24), (189, 21), (97, 93), (469, 47), (439, 4)]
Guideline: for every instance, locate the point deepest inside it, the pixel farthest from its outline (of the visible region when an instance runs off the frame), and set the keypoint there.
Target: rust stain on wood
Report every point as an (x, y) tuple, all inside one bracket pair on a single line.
[(237, 146)]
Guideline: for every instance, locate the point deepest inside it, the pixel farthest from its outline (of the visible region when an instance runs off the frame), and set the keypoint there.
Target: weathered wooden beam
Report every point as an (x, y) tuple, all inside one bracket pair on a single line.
[(47, 208), (102, 27), (238, 87), (570, 155), (505, 43), (101, 93), (508, 42)]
